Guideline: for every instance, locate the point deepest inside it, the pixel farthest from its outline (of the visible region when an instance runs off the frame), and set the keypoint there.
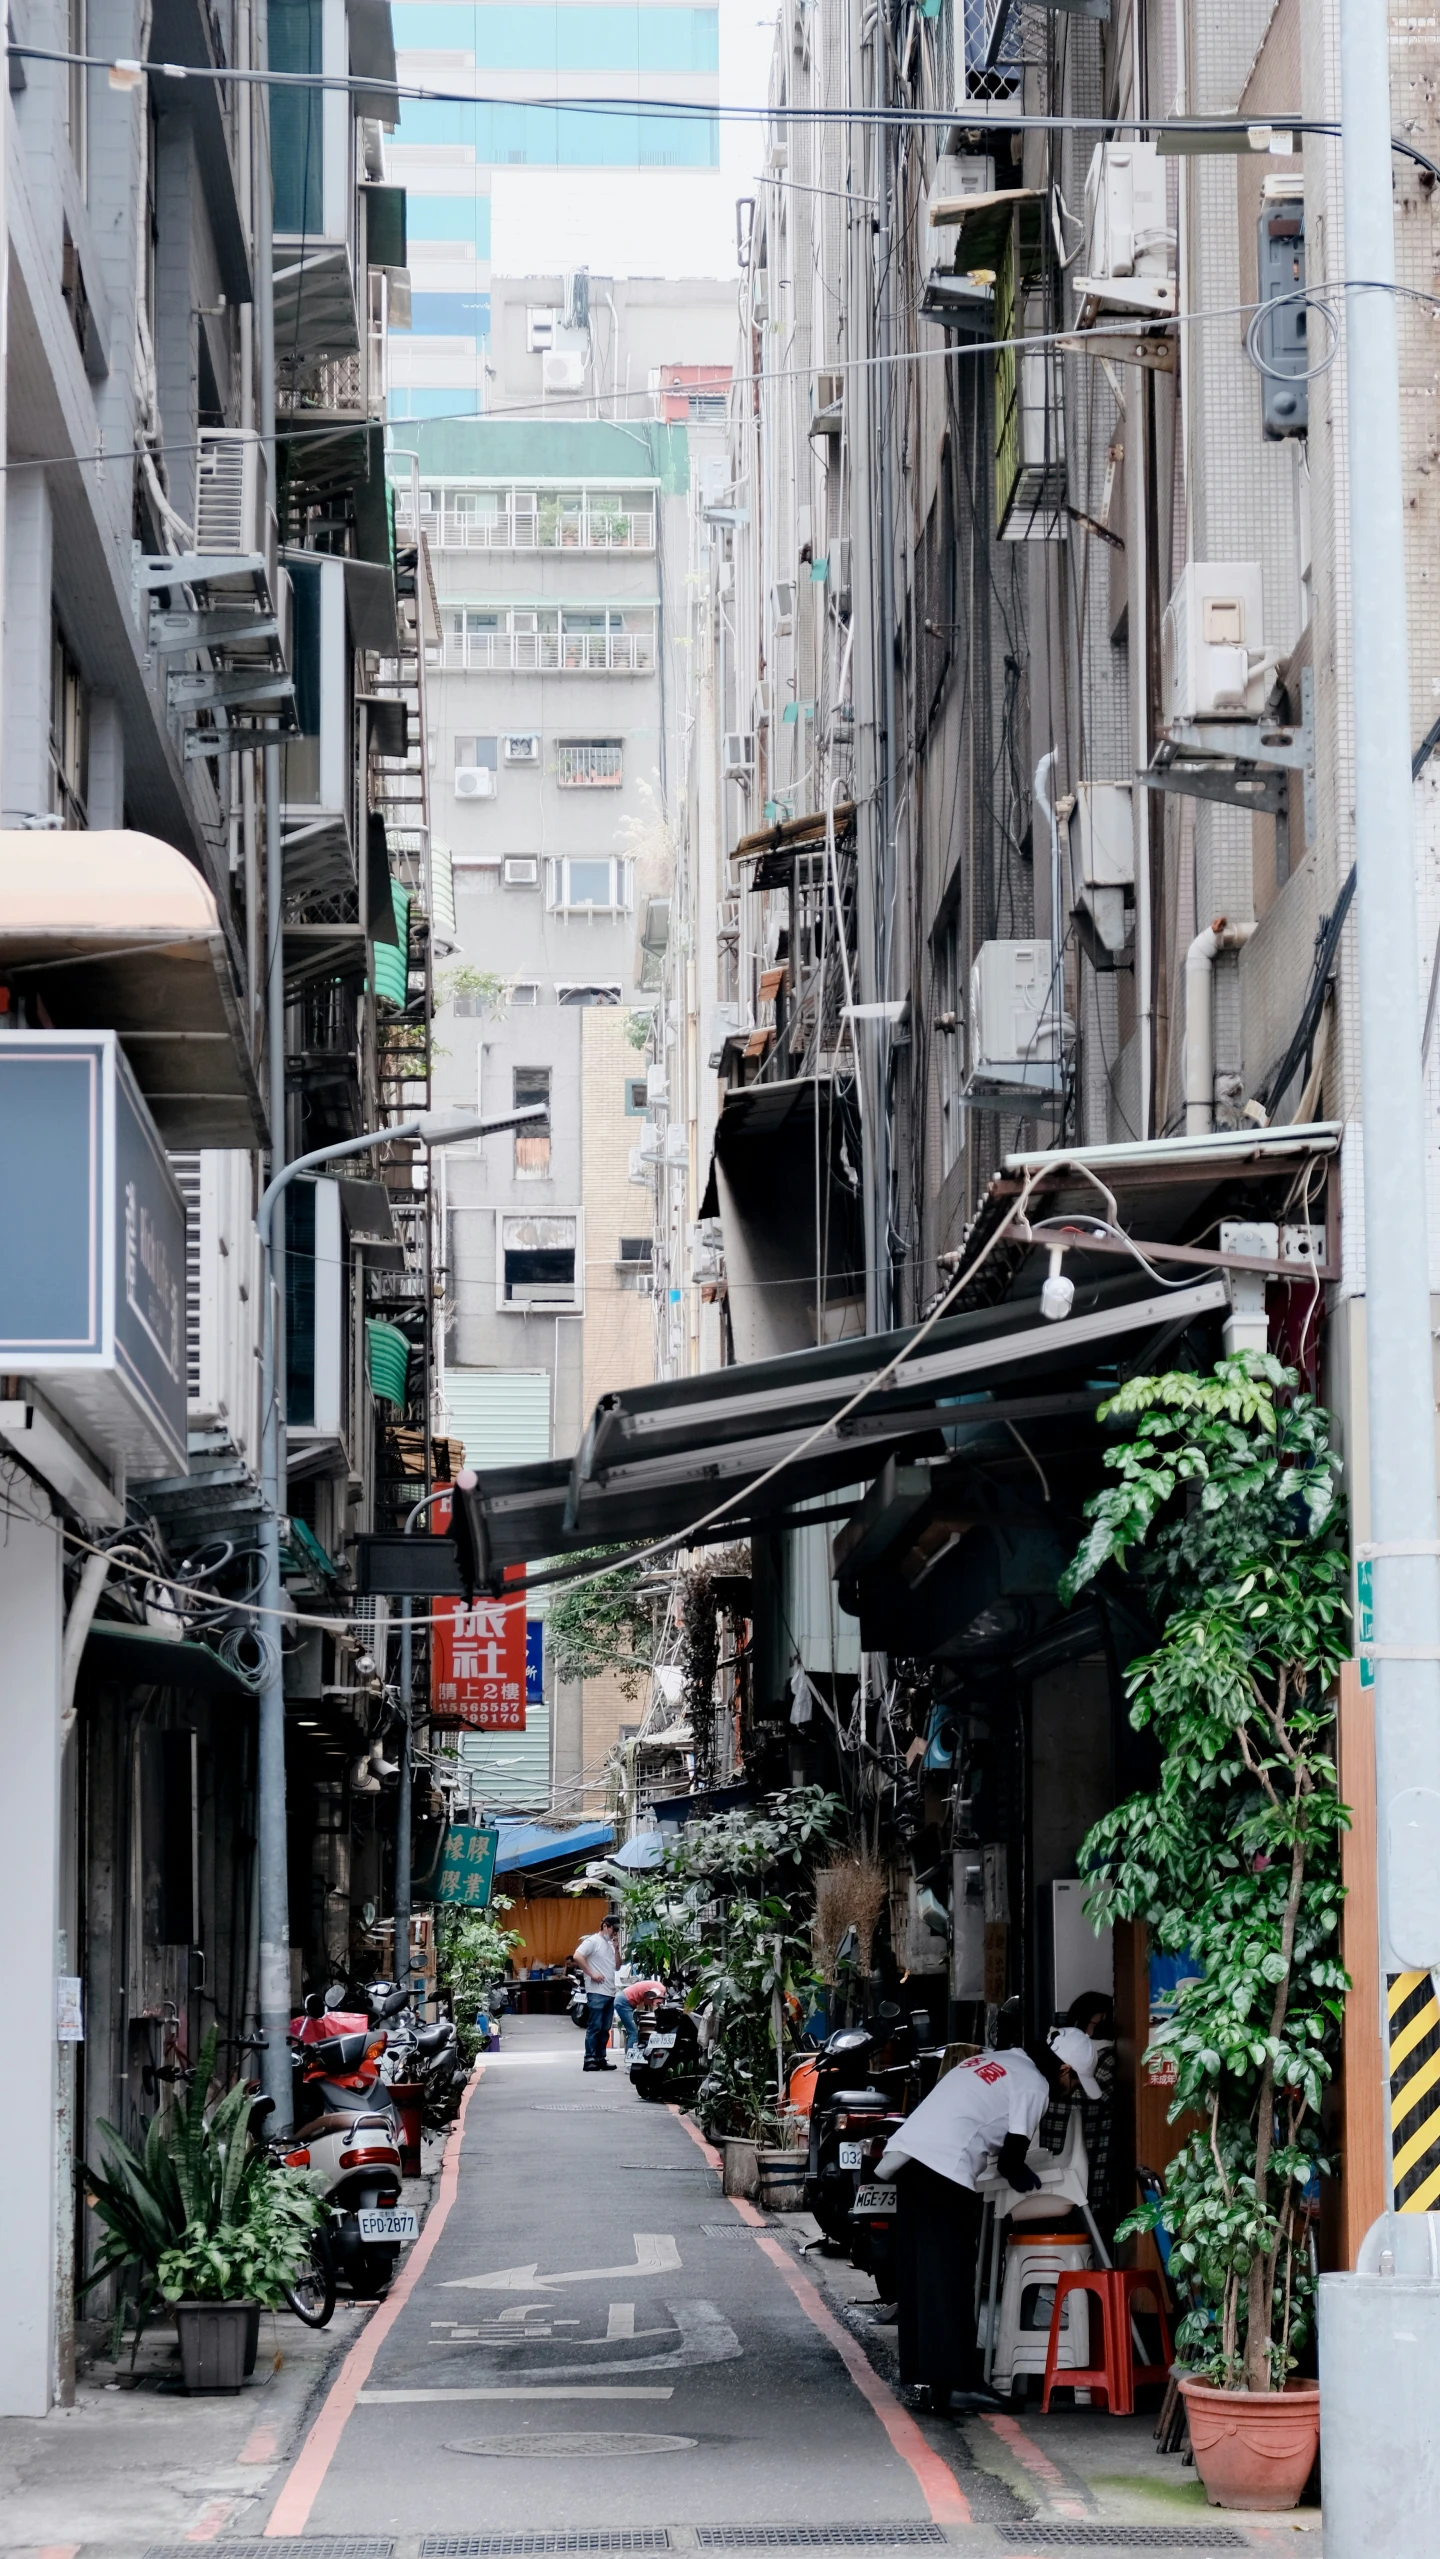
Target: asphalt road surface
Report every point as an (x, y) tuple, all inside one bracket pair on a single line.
[(596, 2338)]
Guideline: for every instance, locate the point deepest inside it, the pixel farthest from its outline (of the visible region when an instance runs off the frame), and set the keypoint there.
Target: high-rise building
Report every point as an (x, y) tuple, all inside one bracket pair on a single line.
[(525, 66)]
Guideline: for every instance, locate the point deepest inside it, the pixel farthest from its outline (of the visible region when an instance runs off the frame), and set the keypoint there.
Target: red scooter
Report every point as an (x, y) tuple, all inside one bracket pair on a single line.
[(348, 2135)]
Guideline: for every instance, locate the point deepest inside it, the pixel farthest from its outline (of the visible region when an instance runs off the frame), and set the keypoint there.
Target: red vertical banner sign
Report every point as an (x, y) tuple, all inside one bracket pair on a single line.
[(477, 1659)]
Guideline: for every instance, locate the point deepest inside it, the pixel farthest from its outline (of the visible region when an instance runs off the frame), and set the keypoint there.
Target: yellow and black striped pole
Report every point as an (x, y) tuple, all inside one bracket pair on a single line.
[(1414, 2065)]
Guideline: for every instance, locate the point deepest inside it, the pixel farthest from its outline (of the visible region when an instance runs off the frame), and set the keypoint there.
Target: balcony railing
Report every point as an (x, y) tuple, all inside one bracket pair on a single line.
[(461, 523), (549, 652)]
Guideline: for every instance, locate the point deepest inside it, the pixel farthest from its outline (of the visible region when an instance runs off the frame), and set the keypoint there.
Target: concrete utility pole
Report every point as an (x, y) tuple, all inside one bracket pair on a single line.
[(1380, 2327), (464, 1482), (432, 1128)]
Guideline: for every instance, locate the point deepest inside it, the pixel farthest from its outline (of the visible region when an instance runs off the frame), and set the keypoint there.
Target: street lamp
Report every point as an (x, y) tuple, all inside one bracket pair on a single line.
[(432, 1128)]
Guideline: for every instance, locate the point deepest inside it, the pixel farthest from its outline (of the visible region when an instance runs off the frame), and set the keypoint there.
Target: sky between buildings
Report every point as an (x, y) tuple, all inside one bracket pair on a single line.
[(523, 182)]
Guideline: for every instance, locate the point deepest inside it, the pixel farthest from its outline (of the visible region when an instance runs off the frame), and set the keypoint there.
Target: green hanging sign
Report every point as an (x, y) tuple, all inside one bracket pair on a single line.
[(467, 1868)]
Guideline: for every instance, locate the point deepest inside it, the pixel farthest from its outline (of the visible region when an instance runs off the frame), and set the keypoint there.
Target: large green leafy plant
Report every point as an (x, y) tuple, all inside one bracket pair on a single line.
[(197, 2210), (730, 1910), (473, 1953), (1227, 1493)]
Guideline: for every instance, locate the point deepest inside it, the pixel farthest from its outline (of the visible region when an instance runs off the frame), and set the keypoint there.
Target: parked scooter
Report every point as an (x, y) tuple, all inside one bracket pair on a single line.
[(865, 2081), (427, 2057), (668, 2068), (347, 2135)]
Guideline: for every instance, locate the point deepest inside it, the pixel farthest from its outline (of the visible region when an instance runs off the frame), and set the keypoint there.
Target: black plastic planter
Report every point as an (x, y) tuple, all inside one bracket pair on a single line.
[(214, 2338)]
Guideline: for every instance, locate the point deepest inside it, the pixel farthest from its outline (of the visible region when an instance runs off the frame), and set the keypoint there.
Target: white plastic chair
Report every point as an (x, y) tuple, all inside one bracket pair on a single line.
[(1065, 2181)]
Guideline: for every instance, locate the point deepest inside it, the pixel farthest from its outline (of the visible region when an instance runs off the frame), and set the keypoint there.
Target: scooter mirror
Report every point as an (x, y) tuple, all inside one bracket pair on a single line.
[(314, 2004)]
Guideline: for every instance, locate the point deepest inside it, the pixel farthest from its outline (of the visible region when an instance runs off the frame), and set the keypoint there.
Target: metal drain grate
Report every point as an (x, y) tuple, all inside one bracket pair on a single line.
[(1125, 2536), (582, 2106), (521, 2545), (734, 2229), (816, 2536), (311, 2546)]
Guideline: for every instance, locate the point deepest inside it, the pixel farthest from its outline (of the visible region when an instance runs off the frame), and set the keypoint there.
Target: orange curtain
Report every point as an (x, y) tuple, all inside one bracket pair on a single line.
[(552, 1929)]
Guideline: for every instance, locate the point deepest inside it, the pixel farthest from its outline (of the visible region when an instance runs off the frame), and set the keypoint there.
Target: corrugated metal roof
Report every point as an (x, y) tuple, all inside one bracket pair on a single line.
[(512, 1770)]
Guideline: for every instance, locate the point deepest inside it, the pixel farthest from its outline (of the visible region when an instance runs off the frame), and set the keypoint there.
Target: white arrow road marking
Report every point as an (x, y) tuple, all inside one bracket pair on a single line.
[(569, 2391), (621, 2322), (703, 2338), (655, 2254)]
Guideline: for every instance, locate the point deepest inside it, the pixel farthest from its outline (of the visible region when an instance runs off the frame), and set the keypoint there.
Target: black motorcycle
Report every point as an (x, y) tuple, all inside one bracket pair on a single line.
[(866, 2079), (668, 2069)]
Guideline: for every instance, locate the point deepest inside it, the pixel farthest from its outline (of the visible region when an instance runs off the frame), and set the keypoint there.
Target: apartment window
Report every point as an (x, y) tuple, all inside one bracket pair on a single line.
[(636, 1102), (481, 752), (531, 1084), (580, 884), (539, 1263), (587, 994), (635, 1261), (589, 764), (526, 990), (69, 734), (295, 30)]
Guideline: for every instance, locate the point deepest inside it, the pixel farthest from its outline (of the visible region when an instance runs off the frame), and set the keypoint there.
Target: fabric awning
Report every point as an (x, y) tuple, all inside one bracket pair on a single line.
[(655, 1459), (524, 1846), (118, 931)]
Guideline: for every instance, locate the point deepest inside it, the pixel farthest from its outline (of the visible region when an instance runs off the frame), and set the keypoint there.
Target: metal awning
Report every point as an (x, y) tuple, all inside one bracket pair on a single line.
[(136, 1658), (785, 1186), (656, 1459), (117, 931)]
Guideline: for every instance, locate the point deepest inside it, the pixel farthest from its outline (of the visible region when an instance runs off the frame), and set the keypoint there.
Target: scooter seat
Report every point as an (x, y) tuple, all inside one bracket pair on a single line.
[(862, 2101), (432, 2039), (323, 2124)]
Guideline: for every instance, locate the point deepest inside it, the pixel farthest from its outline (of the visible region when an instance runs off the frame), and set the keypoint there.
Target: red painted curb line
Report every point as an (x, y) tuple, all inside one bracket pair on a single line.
[(292, 2507), (938, 2485)]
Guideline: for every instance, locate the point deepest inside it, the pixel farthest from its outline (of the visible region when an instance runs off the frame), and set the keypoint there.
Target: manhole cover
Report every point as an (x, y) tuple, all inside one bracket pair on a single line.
[(613, 2447)]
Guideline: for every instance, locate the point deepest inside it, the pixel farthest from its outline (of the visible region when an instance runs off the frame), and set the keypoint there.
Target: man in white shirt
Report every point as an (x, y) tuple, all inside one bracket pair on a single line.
[(597, 1958), (982, 2116)]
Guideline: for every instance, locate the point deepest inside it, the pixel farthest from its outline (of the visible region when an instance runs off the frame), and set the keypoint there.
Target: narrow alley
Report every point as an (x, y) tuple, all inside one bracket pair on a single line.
[(594, 2349)]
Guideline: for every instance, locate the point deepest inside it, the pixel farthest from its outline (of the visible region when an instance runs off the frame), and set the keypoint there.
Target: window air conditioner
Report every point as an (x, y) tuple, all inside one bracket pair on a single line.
[(521, 871), (1129, 243), (230, 491), (1013, 1023), (1213, 660), (521, 748), (474, 782), (782, 604), (737, 758)]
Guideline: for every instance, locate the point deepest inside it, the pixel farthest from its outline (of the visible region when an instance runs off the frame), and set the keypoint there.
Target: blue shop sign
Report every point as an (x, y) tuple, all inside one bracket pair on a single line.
[(534, 1661), (92, 1247)]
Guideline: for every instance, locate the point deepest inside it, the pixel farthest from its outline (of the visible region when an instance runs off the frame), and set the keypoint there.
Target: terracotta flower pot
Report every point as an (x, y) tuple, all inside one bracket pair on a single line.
[(1252, 2448)]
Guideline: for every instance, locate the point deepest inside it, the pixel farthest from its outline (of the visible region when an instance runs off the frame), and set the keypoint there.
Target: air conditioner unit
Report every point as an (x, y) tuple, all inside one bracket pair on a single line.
[(657, 1085), (230, 493), (737, 755), (639, 1168), (1013, 1023), (958, 175), (522, 748), (520, 871), (1213, 660), (562, 372), (1102, 855), (782, 604), (474, 782), (728, 1024), (1129, 243)]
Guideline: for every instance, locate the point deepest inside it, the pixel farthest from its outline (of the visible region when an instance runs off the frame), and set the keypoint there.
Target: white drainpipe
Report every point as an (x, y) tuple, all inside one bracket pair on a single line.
[(1219, 935)]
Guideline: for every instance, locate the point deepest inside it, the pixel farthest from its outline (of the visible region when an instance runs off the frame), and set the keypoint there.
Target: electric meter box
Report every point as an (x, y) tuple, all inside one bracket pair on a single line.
[(1013, 1022), (1102, 836), (1212, 643)]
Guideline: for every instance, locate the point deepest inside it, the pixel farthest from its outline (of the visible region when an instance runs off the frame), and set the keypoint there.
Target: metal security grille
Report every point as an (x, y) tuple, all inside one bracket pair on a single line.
[(583, 764), (818, 2536), (1125, 2536), (530, 2545)]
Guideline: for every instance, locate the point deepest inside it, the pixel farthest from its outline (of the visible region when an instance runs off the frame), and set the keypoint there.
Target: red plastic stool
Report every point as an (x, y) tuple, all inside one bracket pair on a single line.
[(1128, 2281), (1112, 2373)]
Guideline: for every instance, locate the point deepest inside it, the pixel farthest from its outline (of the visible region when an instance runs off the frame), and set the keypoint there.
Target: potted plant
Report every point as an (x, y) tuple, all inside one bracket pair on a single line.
[(1228, 1486), (206, 2222)]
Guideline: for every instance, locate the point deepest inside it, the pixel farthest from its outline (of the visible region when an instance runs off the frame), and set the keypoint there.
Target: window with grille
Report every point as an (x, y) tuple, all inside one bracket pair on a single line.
[(589, 764), (577, 883), (529, 1085)]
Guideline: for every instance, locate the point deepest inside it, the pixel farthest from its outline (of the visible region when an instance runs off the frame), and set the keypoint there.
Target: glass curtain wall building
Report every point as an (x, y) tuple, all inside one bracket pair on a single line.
[(558, 84)]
